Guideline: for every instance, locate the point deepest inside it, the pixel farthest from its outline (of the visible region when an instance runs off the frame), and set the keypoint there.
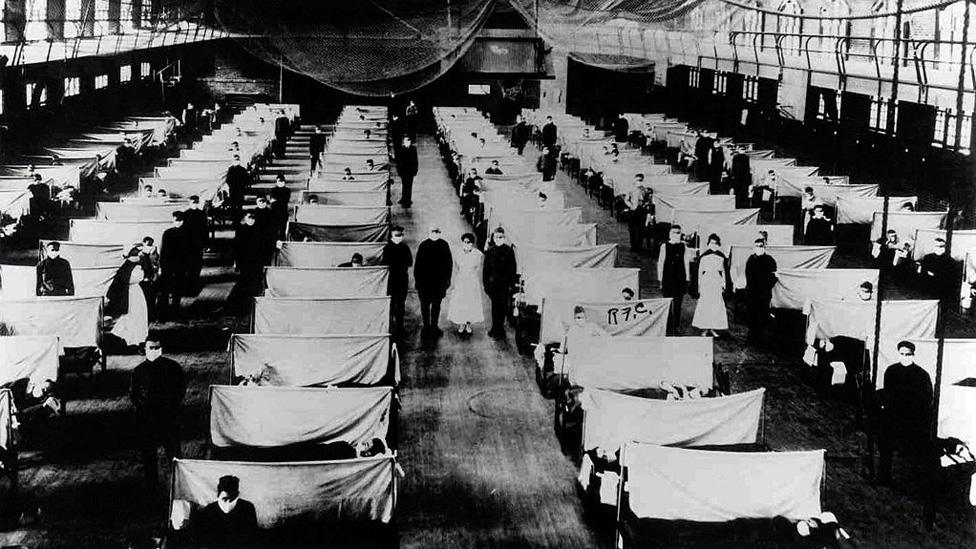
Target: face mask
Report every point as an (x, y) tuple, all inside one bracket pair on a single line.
[(228, 506), (760, 251), (906, 360), (396, 239), (435, 236), (53, 255), (153, 354), (147, 249), (37, 391), (280, 183)]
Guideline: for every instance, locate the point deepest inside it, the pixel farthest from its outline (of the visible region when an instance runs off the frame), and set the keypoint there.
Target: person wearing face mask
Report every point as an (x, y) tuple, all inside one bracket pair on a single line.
[(499, 274), (520, 134), (937, 272), (126, 302), (468, 298), (398, 257), (54, 276), (174, 265), (906, 411), (249, 259), (197, 232), (280, 197), (407, 166), (710, 312), (238, 180), (672, 272), (156, 392), (760, 279), (229, 522), (627, 294), (432, 277), (34, 404)]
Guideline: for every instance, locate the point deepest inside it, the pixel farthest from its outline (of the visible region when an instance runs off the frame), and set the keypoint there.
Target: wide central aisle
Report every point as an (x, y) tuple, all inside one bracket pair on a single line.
[(483, 467)]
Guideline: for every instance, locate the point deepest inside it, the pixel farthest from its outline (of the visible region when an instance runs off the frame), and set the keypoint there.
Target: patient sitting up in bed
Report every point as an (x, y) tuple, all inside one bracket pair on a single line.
[(230, 521)]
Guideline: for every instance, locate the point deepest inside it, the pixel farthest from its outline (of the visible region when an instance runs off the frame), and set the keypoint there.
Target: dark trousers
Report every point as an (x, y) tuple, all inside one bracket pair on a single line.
[(548, 175), (910, 442), (430, 310), (193, 269), (499, 311), (171, 288), (636, 230), (406, 192), (152, 436), (758, 311), (149, 289), (520, 147), (247, 286), (677, 295), (397, 309), (315, 161)]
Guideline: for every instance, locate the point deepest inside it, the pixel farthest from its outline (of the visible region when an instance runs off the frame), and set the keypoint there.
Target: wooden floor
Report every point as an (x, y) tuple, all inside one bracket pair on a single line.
[(483, 468)]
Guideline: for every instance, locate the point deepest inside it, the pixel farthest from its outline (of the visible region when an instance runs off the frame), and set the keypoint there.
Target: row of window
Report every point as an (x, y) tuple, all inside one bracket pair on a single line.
[(72, 84)]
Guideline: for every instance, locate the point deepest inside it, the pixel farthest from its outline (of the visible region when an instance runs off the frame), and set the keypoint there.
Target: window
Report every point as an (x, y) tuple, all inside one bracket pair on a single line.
[(879, 114), (479, 89), (750, 89), (102, 17), (693, 77), (36, 28), (72, 18), (101, 81), (125, 73), (72, 86), (144, 70), (721, 80), (31, 88), (1, 102), (125, 17)]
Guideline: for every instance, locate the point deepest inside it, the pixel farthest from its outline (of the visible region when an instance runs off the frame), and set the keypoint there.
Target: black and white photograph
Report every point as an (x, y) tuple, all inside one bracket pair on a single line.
[(514, 274)]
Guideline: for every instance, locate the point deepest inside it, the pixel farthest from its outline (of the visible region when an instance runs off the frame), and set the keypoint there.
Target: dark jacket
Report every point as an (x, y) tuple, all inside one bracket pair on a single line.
[(942, 283), (549, 134), (54, 277), (250, 248), (399, 259), (281, 197), (520, 134), (238, 179), (499, 270), (907, 397), (406, 161), (674, 276), (621, 129), (227, 530), (157, 389), (197, 228), (760, 276), (741, 172), (316, 144), (175, 250), (819, 232), (433, 268)]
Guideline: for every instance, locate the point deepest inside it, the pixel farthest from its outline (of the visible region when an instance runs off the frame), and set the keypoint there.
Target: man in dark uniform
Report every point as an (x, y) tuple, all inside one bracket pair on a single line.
[(40, 200), (197, 232), (157, 391), (672, 272), (760, 279), (621, 129), (397, 256), (741, 175), (407, 166), (906, 411), (938, 273), (432, 277), (238, 180), (316, 145), (703, 146), (174, 265), (54, 273), (716, 169), (547, 164), (282, 132), (280, 197), (499, 277), (640, 217), (820, 232), (249, 258), (549, 133), (520, 134)]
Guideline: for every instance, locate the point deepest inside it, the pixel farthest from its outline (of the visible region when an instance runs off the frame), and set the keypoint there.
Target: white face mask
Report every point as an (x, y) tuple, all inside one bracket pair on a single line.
[(53, 254), (153, 354), (396, 239), (435, 236), (906, 360), (227, 506), (468, 246), (280, 183)]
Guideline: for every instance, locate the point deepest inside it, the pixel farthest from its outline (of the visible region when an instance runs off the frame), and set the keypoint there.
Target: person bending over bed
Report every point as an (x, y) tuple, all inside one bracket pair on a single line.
[(231, 521)]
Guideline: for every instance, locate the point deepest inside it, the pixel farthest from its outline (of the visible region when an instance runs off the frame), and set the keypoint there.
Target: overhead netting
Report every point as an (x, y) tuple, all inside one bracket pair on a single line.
[(369, 47)]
